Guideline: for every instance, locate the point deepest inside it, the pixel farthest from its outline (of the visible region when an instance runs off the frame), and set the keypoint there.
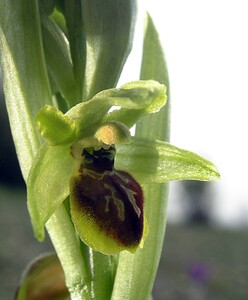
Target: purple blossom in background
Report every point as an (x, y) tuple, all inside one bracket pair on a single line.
[(199, 272)]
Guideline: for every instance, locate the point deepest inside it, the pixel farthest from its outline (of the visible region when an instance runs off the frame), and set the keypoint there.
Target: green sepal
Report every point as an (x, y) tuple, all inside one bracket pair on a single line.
[(54, 126), (148, 88), (156, 161), (142, 96), (48, 184)]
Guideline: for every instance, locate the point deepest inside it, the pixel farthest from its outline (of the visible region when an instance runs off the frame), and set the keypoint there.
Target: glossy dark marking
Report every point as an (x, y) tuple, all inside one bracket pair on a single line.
[(113, 199)]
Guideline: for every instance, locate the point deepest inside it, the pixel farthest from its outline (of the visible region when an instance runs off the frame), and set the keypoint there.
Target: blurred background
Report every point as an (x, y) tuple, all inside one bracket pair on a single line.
[(205, 254)]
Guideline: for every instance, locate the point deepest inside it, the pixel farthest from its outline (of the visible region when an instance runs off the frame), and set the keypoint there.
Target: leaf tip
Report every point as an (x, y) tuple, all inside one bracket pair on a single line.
[(39, 231)]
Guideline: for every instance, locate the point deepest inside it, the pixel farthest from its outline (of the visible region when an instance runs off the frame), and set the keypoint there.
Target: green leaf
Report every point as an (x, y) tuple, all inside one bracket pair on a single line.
[(26, 84), (48, 5), (76, 36), (128, 282), (44, 279), (163, 162), (109, 29), (58, 60), (48, 184), (154, 67)]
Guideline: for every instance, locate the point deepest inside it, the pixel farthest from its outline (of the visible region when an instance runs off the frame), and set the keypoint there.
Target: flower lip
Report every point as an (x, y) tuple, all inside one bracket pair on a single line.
[(106, 204)]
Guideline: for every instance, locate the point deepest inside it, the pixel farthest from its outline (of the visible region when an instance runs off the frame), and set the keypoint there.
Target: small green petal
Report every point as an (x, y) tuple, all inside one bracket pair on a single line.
[(157, 161), (54, 126), (48, 184)]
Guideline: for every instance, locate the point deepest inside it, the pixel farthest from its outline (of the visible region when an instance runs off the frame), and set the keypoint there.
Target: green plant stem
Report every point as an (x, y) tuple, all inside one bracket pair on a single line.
[(103, 273), (67, 246)]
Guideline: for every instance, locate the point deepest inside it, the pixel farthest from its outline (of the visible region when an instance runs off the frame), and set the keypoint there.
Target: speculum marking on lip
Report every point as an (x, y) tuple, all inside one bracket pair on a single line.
[(116, 201)]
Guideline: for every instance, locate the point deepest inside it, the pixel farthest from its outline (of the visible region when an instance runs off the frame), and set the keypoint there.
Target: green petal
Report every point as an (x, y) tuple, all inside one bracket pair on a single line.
[(48, 184), (157, 161)]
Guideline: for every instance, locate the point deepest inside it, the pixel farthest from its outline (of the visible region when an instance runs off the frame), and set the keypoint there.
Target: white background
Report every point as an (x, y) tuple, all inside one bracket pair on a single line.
[(206, 47)]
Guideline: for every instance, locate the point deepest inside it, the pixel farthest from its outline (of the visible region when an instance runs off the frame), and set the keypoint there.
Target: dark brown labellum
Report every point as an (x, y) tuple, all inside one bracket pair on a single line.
[(112, 199)]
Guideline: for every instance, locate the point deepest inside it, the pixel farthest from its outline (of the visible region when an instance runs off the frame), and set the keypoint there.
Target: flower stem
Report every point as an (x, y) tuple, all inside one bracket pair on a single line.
[(67, 246)]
